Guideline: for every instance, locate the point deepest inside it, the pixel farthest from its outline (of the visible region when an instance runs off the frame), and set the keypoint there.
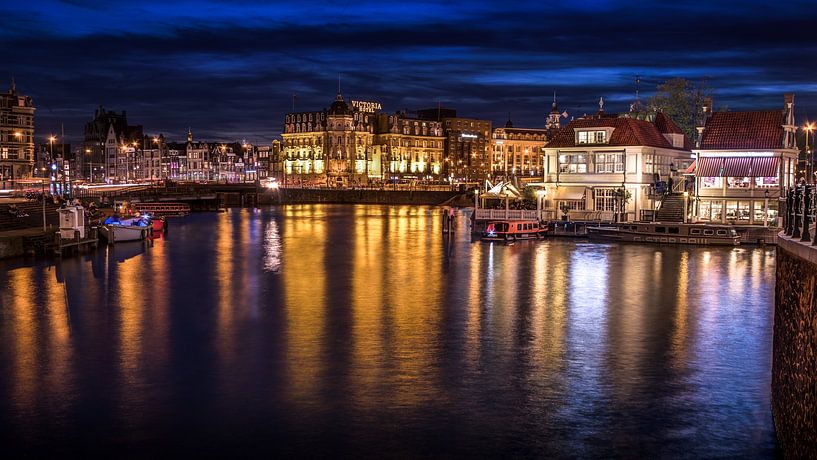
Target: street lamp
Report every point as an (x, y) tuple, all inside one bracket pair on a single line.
[(809, 127)]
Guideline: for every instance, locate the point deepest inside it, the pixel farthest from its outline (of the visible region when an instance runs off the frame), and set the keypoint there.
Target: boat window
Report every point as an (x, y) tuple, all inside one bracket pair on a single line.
[(695, 231), (721, 232), (674, 230), (660, 230), (709, 232)]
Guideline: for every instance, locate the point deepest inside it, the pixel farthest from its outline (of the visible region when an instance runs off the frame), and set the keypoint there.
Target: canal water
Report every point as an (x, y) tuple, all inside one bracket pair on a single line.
[(359, 330)]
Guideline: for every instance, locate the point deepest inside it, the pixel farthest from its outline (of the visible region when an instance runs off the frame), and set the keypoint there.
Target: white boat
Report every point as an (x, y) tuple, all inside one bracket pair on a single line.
[(666, 233), (135, 229)]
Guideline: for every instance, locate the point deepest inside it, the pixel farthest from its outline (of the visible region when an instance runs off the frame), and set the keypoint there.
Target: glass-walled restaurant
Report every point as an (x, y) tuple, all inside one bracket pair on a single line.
[(741, 190)]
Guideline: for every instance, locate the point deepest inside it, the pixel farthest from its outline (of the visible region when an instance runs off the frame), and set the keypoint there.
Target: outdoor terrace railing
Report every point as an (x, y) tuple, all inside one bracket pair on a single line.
[(801, 205)]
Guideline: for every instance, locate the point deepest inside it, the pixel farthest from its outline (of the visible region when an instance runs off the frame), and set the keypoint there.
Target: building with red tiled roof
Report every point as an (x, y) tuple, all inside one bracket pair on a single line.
[(589, 161), (744, 160)]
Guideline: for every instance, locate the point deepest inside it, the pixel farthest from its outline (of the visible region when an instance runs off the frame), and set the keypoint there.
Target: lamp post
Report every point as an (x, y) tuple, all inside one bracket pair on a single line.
[(809, 127), (42, 194), (686, 205), (51, 140)]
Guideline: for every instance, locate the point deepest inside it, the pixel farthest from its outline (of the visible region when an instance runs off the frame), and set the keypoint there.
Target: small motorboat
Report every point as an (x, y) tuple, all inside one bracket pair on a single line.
[(116, 230), (512, 230)]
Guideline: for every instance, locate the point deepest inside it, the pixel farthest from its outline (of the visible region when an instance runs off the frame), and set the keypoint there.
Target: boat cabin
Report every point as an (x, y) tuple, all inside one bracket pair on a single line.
[(513, 229)]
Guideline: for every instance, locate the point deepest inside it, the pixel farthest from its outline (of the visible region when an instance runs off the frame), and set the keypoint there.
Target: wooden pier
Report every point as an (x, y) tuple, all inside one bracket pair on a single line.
[(64, 245)]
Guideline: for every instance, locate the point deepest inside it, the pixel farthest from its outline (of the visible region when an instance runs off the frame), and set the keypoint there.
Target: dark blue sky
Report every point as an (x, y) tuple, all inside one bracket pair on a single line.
[(229, 69)]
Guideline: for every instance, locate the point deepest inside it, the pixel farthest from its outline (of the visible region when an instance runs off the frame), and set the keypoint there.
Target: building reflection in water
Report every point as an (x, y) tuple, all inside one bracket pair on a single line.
[(359, 320)]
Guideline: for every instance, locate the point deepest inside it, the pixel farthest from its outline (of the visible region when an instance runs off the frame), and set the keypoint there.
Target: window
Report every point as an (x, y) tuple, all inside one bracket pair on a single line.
[(573, 163), (737, 182), (609, 163), (765, 182), (606, 199), (711, 182), (573, 205), (660, 230), (591, 137)]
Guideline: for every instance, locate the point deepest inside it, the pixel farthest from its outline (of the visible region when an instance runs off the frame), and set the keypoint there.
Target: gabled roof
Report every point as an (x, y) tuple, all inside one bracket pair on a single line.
[(626, 132), (665, 124), (761, 129)]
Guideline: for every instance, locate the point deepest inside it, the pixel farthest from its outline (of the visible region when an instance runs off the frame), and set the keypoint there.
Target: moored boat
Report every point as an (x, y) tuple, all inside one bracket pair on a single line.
[(666, 233), (511, 230), (116, 230)]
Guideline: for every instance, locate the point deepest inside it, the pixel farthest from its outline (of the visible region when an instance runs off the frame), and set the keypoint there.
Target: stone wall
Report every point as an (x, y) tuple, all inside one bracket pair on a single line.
[(11, 246), (293, 195), (794, 362)]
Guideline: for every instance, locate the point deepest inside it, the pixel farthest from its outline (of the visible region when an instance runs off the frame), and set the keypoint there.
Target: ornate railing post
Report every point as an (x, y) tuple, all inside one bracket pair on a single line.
[(789, 211), (806, 213), (795, 232)]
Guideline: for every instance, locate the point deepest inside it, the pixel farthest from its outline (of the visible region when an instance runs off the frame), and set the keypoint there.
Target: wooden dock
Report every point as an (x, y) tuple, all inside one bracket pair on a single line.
[(66, 245)]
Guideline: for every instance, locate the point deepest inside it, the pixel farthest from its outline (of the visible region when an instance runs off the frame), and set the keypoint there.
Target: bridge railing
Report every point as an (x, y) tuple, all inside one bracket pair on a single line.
[(801, 210)]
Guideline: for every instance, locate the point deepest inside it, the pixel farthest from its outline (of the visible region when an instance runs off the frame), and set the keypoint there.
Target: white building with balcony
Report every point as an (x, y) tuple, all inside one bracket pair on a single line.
[(593, 162)]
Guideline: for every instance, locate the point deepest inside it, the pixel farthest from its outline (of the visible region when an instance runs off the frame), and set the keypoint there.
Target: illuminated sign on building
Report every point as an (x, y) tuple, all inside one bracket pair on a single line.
[(366, 106), (468, 136)]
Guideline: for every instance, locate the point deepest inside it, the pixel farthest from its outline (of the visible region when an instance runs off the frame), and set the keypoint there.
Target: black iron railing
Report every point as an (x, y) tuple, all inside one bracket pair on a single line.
[(801, 205)]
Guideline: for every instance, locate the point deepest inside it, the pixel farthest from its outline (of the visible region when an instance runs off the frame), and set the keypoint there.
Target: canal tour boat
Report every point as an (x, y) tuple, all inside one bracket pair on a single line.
[(668, 233), (512, 230), (116, 230)]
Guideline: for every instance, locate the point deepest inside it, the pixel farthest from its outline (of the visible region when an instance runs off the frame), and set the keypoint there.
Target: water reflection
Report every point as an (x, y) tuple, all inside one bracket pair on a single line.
[(328, 329)]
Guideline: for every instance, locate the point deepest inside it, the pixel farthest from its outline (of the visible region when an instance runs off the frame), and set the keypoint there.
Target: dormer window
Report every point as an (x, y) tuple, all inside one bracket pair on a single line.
[(591, 137)]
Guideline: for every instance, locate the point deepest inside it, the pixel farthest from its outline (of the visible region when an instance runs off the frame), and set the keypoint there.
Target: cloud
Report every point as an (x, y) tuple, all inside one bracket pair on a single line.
[(229, 70)]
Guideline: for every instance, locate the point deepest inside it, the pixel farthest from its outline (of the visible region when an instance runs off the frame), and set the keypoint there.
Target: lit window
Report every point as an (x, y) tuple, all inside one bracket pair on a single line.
[(591, 137)]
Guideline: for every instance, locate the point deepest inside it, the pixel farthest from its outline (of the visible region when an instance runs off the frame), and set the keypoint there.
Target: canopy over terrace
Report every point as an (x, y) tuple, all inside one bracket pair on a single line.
[(503, 191)]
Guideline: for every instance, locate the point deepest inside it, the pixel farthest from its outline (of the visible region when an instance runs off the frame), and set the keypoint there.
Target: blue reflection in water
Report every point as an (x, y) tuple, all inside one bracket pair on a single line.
[(318, 329)]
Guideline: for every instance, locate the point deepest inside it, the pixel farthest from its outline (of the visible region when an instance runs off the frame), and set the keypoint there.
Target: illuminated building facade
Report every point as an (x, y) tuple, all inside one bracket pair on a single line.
[(410, 146), (517, 152), (466, 155), (744, 160), (16, 137), (591, 162), (347, 145), (333, 146), (109, 147)]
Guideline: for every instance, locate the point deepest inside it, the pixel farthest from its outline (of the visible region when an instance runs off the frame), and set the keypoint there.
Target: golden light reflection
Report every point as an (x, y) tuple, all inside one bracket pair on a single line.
[(679, 337), (304, 280), (415, 317), (368, 317)]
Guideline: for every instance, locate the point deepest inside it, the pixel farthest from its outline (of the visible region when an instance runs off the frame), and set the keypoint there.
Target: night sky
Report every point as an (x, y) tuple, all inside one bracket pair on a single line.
[(229, 69)]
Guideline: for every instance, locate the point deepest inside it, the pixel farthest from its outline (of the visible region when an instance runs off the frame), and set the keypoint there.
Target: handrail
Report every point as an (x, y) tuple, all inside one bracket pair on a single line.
[(801, 213)]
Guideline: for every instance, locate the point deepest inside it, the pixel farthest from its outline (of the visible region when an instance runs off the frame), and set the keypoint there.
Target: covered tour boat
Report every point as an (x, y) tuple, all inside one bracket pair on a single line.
[(511, 230), (666, 233)]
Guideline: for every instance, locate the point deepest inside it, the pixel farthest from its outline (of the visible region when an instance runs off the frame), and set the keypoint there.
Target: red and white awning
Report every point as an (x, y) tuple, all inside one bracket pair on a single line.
[(737, 166)]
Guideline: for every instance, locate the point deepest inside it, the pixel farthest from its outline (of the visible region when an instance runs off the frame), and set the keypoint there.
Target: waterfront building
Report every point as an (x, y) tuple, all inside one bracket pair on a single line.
[(105, 152), (601, 165), (334, 146), (153, 155), (517, 152), (16, 137), (744, 160), (466, 154), (408, 147), (269, 160), (175, 162), (198, 159)]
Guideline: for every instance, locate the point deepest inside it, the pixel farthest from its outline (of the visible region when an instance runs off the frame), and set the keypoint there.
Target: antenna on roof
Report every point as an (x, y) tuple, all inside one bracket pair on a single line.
[(338, 82), (294, 96), (636, 105)]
